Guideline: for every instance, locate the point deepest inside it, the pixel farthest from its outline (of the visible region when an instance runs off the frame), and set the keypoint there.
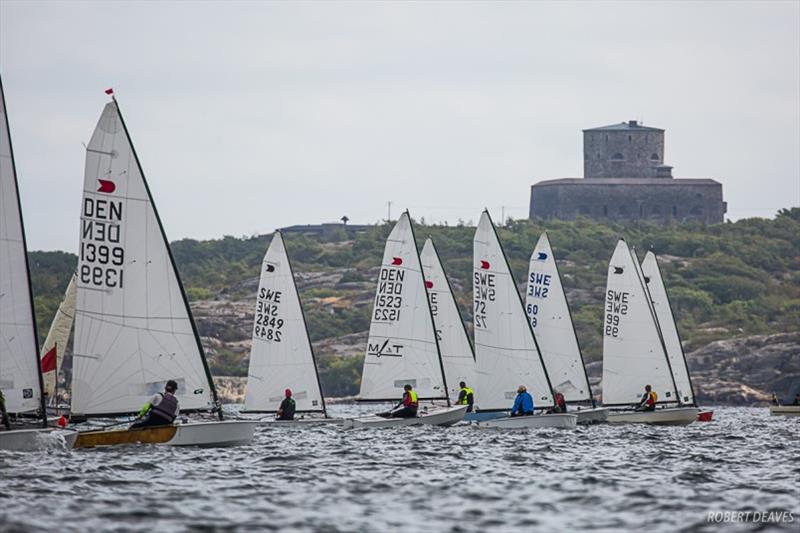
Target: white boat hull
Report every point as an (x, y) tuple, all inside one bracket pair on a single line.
[(597, 415), (557, 420), (784, 410), (446, 416), (301, 422), (204, 434), (26, 440), (678, 416)]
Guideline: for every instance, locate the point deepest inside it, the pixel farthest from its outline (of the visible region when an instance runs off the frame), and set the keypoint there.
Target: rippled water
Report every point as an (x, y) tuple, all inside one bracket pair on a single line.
[(326, 478)]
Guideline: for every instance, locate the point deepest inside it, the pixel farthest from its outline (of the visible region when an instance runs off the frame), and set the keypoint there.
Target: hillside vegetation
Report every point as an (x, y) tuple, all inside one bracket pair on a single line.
[(724, 280)]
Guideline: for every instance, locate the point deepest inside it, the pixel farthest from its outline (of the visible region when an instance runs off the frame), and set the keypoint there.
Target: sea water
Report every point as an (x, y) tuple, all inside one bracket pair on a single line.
[(420, 479)]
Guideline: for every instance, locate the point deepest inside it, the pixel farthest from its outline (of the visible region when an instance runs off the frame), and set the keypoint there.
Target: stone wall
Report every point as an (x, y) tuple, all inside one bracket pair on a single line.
[(633, 152), (659, 199)]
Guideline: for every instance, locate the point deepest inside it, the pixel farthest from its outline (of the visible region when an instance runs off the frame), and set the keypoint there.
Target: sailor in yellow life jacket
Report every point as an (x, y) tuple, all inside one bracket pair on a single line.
[(407, 408), (466, 396), (649, 399)]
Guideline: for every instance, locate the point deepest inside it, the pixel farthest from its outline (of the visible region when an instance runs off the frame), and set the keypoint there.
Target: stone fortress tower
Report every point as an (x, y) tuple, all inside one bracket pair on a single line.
[(625, 178)]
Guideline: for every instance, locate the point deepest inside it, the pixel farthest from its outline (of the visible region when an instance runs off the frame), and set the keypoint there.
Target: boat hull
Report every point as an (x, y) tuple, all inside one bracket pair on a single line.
[(678, 416), (598, 415), (446, 416), (556, 420), (705, 416), (203, 434), (26, 440), (301, 422), (480, 416), (784, 410)]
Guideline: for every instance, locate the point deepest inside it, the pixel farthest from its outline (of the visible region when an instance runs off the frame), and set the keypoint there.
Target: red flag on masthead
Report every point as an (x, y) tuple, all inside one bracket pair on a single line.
[(110, 91)]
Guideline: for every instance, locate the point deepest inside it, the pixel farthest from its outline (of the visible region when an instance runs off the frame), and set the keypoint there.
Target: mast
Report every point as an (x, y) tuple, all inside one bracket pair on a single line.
[(655, 320), (200, 348), (522, 306), (572, 323), (305, 324), (678, 333), (42, 402), (430, 313)]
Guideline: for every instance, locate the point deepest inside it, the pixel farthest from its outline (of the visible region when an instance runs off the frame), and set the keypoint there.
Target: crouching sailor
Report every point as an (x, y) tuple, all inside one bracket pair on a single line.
[(523, 403), (466, 396), (161, 410), (288, 406), (649, 399), (407, 408)]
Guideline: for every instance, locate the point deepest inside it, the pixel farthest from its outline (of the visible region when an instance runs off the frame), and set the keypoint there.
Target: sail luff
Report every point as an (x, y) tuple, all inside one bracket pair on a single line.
[(16, 203), (201, 350)]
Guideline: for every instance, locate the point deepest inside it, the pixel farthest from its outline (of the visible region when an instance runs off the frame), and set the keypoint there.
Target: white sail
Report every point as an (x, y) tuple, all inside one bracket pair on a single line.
[(505, 349), (457, 356), (133, 330), (57, 338), (19, 358), (402, 347), (548, 311), (633, 354), (669, 329), (281, 356)]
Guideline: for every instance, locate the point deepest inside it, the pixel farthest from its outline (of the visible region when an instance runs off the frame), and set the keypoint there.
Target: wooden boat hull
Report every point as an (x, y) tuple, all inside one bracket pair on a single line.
[(678, 416), (784, 410), (598, 415), (557, 420), (203, 434), (705, 416), (446, 416), (26, 440)]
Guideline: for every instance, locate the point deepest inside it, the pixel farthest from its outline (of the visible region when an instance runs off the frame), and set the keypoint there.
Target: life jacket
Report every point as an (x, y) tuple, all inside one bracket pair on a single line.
[(410, 400), (467, 391), (168, 408), (652, 398)]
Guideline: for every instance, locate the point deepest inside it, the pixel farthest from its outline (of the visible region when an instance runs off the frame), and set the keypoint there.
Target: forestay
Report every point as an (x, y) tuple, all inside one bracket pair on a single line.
[(402, 347), (19, 356), (633, 354), (457, 356), (133, 330), (56, 342), (548, 311), (669, 329), (506, 352), (281, 355)]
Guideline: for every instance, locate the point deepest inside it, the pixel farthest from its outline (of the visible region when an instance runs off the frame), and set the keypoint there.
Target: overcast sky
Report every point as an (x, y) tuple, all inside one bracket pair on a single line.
[(252, 116)]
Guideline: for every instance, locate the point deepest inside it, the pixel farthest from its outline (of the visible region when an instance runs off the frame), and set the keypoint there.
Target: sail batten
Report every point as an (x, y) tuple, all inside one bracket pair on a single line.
[(506, 351), (133, 327), (20, 375), (402, 347), (281, 356), (551, 321)]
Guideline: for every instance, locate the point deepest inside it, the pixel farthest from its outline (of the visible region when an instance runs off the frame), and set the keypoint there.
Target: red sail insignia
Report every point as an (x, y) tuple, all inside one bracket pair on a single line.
[(397, 261), (485, 265), (106, 186), (429, 284), (49, 360)]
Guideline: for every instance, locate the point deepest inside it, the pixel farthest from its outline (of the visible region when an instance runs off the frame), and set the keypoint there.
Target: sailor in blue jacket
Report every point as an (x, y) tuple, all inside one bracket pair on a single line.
[(523, 403)]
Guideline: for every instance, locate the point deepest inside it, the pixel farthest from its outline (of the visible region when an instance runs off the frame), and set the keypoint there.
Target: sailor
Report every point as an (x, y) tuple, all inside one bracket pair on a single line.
[(775, 399), (161, 410), (561, 404), (407, 408), (649, 399), (4, 413), (796, 399), (466, 396), (287, 407), (523, 403)]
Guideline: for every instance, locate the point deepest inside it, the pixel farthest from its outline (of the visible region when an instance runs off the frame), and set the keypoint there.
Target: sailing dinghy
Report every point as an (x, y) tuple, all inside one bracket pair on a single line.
[(20, 373), (657, 291), (634, 354), (133, 327), (402, 347), (281, 355), (506, 350), (551, 321), (784, 410)]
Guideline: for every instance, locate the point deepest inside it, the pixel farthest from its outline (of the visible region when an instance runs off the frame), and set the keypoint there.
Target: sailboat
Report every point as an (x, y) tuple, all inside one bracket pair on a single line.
[(281, 356), (56, 343), (551, 321), (20, 374), (402, 347), (506, 350), (133, 326), (634, 354), (458, 357), (669, 332)]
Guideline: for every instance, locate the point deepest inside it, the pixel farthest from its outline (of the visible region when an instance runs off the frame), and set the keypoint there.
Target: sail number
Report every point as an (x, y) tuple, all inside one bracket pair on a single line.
[(268, 323), (533, 310), (101, 254), (484, 291), (616, 307), (389, 298)]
